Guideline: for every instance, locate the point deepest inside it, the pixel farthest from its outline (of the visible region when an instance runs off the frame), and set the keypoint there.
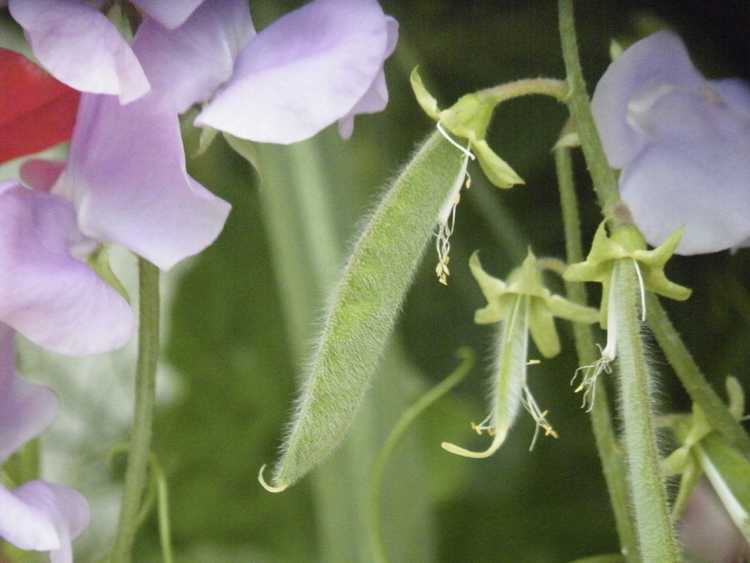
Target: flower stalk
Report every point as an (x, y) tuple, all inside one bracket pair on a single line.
[(139, 451), (605, 182)]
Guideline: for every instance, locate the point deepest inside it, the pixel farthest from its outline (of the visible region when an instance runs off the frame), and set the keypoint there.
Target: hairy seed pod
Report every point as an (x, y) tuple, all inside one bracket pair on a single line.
[(364, 306)]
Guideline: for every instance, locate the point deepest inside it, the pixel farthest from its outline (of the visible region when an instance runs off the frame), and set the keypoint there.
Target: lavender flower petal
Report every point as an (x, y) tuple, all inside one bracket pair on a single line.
[(127, 177), (170, 14), (42, 516), (26, 409), (188, 64), (80, 47), (660, 60), (699, 186), (305, 71), (376, 98), (47, 293)]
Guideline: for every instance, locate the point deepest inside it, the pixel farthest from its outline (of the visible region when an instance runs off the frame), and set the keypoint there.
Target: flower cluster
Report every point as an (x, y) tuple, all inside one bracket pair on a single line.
[(125, 180), (681, 142)]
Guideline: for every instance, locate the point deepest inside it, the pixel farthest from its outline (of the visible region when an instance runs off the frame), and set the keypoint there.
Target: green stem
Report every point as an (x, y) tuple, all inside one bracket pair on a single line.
[(605, 181), (407, 418), (649, 497), (692, 378), (136, 474), (610, 453), (552, 87)]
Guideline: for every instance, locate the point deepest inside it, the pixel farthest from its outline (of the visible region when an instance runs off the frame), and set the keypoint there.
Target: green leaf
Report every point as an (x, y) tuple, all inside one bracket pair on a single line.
[(364, 307)]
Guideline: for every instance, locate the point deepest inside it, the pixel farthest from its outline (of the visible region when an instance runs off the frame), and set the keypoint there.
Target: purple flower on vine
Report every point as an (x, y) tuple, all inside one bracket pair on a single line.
[(681, 142)]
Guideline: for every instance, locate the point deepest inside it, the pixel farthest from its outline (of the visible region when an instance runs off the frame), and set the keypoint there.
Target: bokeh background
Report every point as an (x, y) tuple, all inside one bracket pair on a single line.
[(239, 320)]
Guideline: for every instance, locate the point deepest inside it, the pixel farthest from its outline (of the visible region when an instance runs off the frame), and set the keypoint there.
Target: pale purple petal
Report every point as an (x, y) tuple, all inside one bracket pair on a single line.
[(46, 293), (40, 174), (26, 409), (702, 187), (707, 531), (188, 64), (376, 98), (169, 13), (654, 65), (42, 516), (80, 47), (683, 116), (26, 526), (303, 72), (126, 175)]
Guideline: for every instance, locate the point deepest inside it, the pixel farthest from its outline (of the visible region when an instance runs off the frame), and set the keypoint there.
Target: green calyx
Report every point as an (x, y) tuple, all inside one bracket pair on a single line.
[(99, 262), (704, 451), (627, 244), (469, 118), (526, 281)]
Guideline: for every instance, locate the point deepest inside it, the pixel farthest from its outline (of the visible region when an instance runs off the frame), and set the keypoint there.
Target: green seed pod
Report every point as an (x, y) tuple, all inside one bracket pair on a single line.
[(364, 306), (510, 380)]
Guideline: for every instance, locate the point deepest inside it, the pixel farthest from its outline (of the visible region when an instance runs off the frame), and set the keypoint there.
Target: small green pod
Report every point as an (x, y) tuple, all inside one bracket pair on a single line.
[(510, 380), (364, 306)]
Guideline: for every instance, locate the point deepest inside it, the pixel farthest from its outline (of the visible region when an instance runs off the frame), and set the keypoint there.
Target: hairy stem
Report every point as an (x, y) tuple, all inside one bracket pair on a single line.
[(649, 497), (610, 453), (692, 378), (136, 474), (552, 87), (605, 182)]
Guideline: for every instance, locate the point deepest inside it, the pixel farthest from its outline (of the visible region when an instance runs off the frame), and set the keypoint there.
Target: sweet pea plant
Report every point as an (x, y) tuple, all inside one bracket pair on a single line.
[(127, 85)]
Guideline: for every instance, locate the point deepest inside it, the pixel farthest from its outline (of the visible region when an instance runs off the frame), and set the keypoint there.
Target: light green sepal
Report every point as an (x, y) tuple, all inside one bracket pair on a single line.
[(99, 262), (426, 101), (606, 250), (736, 396), (469, 118), (653, 262), (705, 450), (246, 149), (206, 138), (543, 304), (495, 168)]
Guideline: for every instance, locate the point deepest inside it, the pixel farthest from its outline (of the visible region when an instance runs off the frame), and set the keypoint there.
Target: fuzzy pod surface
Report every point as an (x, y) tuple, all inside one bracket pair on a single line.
[(365, 304)]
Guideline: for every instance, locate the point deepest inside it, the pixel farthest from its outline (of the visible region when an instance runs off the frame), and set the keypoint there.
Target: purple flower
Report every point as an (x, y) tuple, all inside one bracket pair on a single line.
[(36, 516), (47, 291), (127, 179), (682, 143)]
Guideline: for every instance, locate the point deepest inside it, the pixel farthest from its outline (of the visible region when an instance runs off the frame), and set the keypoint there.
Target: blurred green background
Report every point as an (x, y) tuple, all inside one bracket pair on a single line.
[(242, 315)]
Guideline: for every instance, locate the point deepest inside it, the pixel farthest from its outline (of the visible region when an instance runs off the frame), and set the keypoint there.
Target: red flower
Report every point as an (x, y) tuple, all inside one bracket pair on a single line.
[(36, 111)]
